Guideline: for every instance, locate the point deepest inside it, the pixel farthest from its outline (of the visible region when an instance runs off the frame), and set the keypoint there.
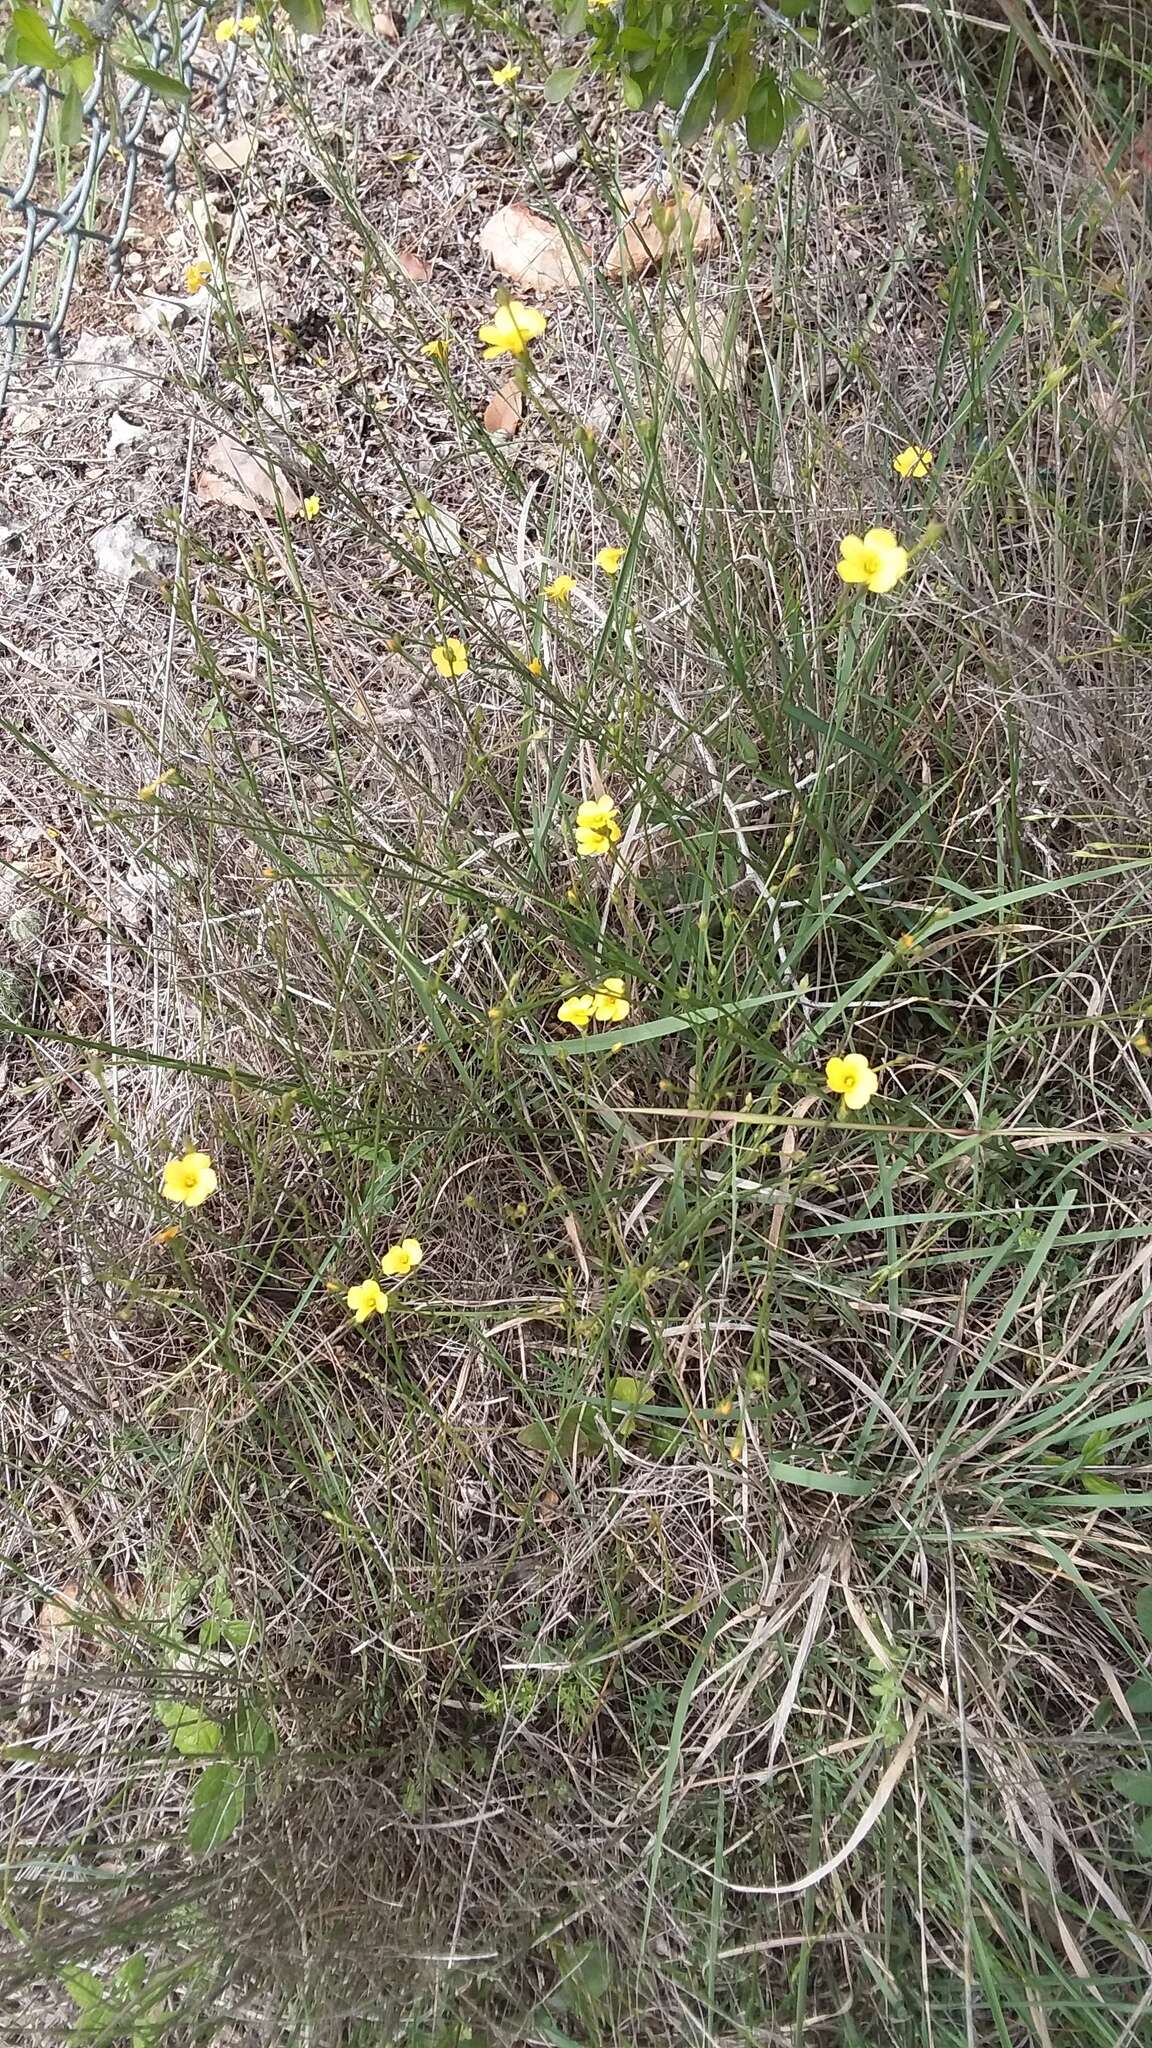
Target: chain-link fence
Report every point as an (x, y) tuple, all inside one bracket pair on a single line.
[(122, 125)]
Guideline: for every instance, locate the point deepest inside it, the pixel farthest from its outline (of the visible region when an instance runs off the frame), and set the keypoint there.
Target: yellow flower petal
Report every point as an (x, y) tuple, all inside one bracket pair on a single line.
[(560, 589), (511, 328), (913, 461), (197, 275), (189, 1181), (367, 1299), (450, 658), (402, 1259), (506, 75), (438, 348), (609, 559)]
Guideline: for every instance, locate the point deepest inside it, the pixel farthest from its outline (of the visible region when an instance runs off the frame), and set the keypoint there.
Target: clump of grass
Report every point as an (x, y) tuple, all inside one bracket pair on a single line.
[(706, 1601)]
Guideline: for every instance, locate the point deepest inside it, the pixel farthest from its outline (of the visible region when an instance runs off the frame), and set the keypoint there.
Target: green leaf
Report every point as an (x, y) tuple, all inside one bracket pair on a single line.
[(1139, 1696), (193, 1733), (1134, 1785), (764, 119), (31, 41), (1144, 1613), (218, 1798), (161, 83), (632, 94), (70, 119), (1144, 1835), (83, 1986), (807, 86), (250, 1734), (859, 10), (306, 16), (560, 82), (629, 1392), (361, 12), (81, 71)]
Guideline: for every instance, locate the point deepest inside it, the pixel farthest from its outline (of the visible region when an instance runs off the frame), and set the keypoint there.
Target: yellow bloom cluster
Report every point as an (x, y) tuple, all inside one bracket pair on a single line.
[(597, 826), (367, 1298)]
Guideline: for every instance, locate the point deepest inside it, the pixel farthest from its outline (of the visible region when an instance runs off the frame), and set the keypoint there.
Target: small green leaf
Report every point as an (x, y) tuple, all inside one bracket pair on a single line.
[(1144, 1613), (83, 1986), (361, 12), (807, 86), (81, 71), (250, 1734), (306, 16), (193, 1733), (764, 119), (560, 82), (1144, 1835), (31, 41), (1134, 1785), (859, 10), (70, 119), (160, 83), (629, 1392), (1139, 1696), (632, 94), (218, 1799)]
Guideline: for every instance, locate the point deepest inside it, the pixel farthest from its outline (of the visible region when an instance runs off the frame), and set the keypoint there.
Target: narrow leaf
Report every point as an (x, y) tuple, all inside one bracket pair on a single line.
[(161, 83)]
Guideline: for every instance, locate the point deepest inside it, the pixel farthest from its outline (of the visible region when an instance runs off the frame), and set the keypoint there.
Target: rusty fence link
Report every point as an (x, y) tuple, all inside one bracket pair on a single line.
[(71, 161)]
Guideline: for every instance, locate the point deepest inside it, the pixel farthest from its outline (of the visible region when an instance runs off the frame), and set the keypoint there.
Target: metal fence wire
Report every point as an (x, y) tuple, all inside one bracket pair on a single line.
[(118, 129)]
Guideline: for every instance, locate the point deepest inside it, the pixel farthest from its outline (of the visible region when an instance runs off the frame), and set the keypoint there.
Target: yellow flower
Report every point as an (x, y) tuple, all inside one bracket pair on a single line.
[(368, 1299), (312, 507), (853, 1078), (450, 658), (577, 1010), (878, 560), (438, 348), (506, 75), (597, 826), (249, 23), (197, 275), (604, 1004), (535, 666), (610, 1004), (609, 559), (401, 1259), (189, 1181), (913, 461), (152, 789), (512, 326), (227, 31), (560, 589)]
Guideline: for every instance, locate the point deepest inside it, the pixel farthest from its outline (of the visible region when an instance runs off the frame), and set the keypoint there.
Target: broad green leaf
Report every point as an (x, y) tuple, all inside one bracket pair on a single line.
[(361, 12), (632, 94), (31, 41), (1144, 1835), (1134, 1785), (859, 10), (697, 110), (1144, 1613), (1139, 1696), (560, 82), (306, 16), (161, 83), (631, 1393), (218, 1799), (764, 118)]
